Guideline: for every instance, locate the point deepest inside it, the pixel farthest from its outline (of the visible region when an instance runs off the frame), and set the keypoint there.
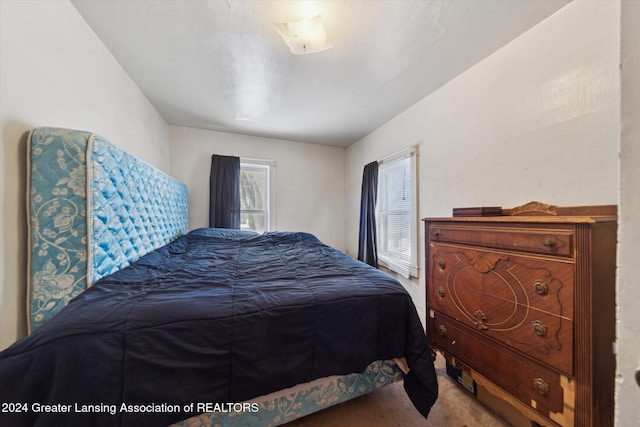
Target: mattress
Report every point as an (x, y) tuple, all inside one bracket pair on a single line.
[(93, 209)]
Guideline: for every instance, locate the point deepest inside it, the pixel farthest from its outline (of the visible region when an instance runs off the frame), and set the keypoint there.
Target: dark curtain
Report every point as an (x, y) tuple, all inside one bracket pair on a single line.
[(367, 243), (224, 199)]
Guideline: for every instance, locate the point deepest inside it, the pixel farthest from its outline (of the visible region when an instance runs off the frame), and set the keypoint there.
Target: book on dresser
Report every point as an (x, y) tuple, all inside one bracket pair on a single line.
[(525, 302)]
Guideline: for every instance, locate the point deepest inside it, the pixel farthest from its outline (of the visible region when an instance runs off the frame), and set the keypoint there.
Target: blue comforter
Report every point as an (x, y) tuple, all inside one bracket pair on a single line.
[(215, 316)]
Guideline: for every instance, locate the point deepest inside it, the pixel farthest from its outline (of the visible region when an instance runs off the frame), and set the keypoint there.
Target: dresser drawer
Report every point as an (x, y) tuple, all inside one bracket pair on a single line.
[(552, 241), (522, 378), (539, 335), (459, 276)]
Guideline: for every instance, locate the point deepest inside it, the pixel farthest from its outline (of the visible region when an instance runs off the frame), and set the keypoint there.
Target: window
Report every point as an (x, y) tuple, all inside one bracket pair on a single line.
[(396, 214), (256, 201)]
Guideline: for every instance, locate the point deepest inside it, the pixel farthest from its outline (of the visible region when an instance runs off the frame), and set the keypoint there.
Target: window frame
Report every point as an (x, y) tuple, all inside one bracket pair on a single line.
[(399, 263)]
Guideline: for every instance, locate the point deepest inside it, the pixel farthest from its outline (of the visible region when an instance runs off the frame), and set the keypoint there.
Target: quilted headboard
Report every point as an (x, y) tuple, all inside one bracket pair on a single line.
[(93, 209)]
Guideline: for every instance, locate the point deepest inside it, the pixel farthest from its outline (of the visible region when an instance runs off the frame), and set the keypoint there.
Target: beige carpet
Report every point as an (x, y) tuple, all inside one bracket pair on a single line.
[(390, 406)]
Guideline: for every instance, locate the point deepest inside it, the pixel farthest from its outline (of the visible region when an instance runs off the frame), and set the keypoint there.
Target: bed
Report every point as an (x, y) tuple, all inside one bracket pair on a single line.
[(135, 320)]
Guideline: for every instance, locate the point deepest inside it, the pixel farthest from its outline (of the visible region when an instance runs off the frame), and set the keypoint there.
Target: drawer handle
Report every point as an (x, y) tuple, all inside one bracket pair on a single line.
[(436, 233), (442, 263), (541, 386), (540, 287), (539, 328), (441, 291), (549, 243), (443, 331)]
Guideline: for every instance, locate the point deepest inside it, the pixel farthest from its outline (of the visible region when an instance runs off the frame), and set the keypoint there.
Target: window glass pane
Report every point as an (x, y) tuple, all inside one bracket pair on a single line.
[(252, 188), (397, 238), (396, 194), (253, 221), (254, 196)]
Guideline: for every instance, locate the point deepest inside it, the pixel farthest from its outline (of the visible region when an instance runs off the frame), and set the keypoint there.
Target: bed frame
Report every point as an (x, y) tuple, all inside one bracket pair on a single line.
[(94, 209)]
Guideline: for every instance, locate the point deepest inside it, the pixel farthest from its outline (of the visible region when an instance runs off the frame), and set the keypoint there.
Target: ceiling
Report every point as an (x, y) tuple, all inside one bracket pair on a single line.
[(220, 64)]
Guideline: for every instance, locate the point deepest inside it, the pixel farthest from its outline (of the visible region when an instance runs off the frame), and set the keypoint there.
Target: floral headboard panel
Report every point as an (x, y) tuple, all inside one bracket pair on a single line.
[(93, 209)]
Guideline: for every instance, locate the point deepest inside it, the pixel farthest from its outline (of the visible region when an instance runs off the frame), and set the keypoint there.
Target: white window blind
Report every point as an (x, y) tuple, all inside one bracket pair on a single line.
[(396, 214)]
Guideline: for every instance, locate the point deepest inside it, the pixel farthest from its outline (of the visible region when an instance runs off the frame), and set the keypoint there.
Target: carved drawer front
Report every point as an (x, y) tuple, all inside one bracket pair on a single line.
[(523, 302), (551, 241), (539, 283), (531, 383)]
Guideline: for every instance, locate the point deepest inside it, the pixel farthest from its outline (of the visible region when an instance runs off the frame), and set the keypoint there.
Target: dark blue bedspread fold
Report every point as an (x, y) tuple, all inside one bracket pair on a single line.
[(215, 316)]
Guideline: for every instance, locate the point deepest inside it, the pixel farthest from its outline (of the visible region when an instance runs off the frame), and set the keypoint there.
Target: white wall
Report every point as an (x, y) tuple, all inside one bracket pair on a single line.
[(309, 178), (537, 120), (55, 72), (628, 293)]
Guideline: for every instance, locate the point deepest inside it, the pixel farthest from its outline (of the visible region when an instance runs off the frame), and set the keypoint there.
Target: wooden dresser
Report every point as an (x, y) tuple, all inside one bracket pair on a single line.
[(525, 302)]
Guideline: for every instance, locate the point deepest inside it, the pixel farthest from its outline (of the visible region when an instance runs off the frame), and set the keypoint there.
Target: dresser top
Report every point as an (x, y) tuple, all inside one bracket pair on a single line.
[(526, 219), (534, 212)]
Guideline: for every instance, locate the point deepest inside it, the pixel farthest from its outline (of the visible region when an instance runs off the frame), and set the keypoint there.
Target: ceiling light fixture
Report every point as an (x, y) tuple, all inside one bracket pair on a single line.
[(304, 36)]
